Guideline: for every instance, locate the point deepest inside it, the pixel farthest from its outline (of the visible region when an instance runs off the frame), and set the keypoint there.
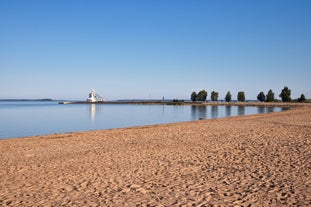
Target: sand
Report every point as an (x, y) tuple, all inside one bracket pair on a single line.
[(257, 160)]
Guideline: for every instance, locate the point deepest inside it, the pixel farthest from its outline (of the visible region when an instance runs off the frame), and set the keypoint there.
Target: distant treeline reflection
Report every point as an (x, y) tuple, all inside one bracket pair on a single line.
[(205, 112)]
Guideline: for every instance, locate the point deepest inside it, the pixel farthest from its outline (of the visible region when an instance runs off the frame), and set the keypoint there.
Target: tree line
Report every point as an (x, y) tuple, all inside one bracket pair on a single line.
[(285, 95)]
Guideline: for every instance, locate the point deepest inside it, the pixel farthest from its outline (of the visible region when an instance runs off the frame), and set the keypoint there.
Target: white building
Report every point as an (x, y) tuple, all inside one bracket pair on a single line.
[(94, 97)]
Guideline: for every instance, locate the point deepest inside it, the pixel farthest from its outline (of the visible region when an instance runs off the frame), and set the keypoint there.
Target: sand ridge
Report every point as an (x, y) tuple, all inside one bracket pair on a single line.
[(257, 160)]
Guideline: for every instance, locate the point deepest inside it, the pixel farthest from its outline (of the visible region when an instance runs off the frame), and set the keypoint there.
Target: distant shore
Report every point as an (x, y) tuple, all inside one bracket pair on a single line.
[(42, 99), (218, 103), (257, 160)]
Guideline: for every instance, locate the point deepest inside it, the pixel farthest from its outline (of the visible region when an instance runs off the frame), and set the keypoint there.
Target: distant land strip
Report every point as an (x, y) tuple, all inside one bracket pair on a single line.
[(25, 99), (219, 103)]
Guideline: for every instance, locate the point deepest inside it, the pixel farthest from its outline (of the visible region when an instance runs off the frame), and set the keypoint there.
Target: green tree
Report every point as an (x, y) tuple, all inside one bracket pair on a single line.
[(194, 96), (228, 97), (261, 96), (270, 96), (202, 96), (302, 98), (214, 96), (241, 96), (285, 94)]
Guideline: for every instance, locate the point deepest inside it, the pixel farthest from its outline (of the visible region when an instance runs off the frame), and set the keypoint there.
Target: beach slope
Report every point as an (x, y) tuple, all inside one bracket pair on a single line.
[(257, 160)]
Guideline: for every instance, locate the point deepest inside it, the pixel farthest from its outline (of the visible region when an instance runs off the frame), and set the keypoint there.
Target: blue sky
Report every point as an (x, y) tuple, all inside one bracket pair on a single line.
[(61, 49)]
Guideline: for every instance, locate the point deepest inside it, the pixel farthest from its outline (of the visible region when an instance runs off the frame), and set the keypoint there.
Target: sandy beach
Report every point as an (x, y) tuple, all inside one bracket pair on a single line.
[(257, 160)]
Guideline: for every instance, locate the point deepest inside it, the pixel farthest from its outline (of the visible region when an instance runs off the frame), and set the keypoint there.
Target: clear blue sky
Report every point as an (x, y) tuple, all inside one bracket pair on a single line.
[(61, 49)]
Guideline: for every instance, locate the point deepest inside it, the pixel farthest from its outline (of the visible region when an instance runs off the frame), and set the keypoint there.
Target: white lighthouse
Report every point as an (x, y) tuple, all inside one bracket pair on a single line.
[(94, 97)]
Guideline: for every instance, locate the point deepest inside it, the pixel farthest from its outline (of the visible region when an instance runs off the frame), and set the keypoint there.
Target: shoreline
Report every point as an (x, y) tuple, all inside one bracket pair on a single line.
[(262, 160)]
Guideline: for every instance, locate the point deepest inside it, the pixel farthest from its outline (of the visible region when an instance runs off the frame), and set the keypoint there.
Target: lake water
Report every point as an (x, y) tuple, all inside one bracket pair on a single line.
[(28, 118)]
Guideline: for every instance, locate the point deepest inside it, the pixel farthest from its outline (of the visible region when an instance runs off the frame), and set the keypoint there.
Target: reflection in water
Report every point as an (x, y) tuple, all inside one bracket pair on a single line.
[(198, 112), (202, 112), (270, 109), (228, 110), (214, 112), (241, 110), (193, 112), (92, 112), (261, 110), (54, 118)]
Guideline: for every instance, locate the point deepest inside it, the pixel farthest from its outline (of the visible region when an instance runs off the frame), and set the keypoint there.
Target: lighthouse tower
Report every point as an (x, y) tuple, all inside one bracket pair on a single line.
[(94, 97)]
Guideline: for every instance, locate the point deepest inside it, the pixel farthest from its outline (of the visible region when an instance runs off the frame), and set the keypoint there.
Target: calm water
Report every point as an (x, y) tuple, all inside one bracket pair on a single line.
[(27, 118)]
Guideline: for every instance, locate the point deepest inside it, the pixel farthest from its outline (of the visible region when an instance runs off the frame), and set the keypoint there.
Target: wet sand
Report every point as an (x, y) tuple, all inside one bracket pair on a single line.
[(257, 160)]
